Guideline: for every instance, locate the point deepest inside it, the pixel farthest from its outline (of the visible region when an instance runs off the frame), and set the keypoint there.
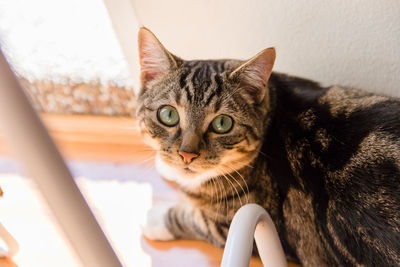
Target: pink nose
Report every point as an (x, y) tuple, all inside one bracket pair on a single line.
[(188, 157)]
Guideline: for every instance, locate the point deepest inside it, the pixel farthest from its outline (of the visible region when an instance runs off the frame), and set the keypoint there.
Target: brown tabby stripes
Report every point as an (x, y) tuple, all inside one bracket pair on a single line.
[(324, 162)]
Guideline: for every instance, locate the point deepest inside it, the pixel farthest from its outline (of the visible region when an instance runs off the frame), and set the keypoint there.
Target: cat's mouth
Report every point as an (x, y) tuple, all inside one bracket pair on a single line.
[(178, 165), (188, 170)]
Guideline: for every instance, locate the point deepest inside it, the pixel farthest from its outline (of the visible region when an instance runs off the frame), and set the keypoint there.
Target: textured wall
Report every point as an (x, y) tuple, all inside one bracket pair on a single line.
[(62, 41), (353, 43), (67, 55)]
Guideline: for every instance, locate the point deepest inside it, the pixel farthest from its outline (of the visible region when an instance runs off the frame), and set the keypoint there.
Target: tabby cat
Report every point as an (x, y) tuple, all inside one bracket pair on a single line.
[(324, 162)]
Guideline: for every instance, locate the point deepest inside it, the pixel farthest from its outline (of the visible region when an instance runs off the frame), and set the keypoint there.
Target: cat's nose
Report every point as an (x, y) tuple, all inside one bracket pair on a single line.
[(187, 156)]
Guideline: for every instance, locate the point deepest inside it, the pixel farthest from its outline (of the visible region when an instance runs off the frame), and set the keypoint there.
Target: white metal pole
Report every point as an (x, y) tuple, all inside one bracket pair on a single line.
[(251, 221), (32, 146)]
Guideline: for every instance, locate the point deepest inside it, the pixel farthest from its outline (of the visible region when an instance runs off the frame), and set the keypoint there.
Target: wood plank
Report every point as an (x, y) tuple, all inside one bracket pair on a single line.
[(98, 138)]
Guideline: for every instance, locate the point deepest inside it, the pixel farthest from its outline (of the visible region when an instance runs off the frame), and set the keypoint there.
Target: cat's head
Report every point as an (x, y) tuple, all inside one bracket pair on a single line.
[(204, 118)]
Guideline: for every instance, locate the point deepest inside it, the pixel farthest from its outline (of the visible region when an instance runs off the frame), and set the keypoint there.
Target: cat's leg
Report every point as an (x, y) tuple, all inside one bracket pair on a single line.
[(184, 222)]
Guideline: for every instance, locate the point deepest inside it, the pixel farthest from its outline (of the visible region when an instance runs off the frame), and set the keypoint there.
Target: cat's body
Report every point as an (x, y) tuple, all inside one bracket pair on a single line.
[(324, 162)]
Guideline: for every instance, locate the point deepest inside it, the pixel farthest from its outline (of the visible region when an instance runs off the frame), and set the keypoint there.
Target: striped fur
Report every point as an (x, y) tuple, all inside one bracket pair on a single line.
[(324, 162)]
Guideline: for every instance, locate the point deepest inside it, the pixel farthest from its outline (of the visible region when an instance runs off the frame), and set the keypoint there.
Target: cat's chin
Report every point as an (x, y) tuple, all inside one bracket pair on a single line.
[(185, 177)]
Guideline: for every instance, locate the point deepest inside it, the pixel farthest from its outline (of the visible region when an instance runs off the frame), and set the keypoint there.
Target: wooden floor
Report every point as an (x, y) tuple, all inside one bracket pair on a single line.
[(114, 139)]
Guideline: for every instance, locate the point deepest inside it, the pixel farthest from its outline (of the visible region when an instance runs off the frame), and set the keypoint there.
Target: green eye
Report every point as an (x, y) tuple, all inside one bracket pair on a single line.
[(222, 124), (168, 116)]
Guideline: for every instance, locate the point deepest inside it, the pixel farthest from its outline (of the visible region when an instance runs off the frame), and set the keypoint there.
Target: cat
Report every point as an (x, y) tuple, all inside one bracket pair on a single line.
[(324, 162)]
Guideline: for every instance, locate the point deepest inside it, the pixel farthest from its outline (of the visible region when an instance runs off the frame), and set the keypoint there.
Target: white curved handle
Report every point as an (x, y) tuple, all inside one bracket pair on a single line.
[(250, 221), (12, 244)]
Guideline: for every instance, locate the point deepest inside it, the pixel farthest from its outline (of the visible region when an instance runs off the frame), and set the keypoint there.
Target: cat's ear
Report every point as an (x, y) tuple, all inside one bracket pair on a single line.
[(253, 75), (155, 60)]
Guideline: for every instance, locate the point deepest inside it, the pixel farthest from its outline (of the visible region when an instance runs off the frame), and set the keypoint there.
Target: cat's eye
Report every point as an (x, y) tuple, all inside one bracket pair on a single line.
[(168, 116), (222, 124)]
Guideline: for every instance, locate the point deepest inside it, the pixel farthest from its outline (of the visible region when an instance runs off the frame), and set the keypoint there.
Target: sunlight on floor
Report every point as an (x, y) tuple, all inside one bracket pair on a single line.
[(120, 207), (120, 194)]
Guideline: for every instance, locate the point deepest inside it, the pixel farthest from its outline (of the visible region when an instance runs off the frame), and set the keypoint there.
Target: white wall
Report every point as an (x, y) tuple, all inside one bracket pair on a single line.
[(348, 42)]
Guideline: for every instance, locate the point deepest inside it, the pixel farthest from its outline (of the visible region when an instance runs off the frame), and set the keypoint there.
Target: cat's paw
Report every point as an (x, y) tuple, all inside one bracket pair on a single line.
[(155, 227)]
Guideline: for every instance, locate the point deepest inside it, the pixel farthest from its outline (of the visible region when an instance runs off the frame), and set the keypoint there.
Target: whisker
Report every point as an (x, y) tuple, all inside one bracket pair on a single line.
[(244, 180), (262, 153), (211, 183), (234, 187), (218, 199), (144, 172), (244, 164), (147, 160), (241, 187), (144, 164), (225, 197), (210, 188)]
